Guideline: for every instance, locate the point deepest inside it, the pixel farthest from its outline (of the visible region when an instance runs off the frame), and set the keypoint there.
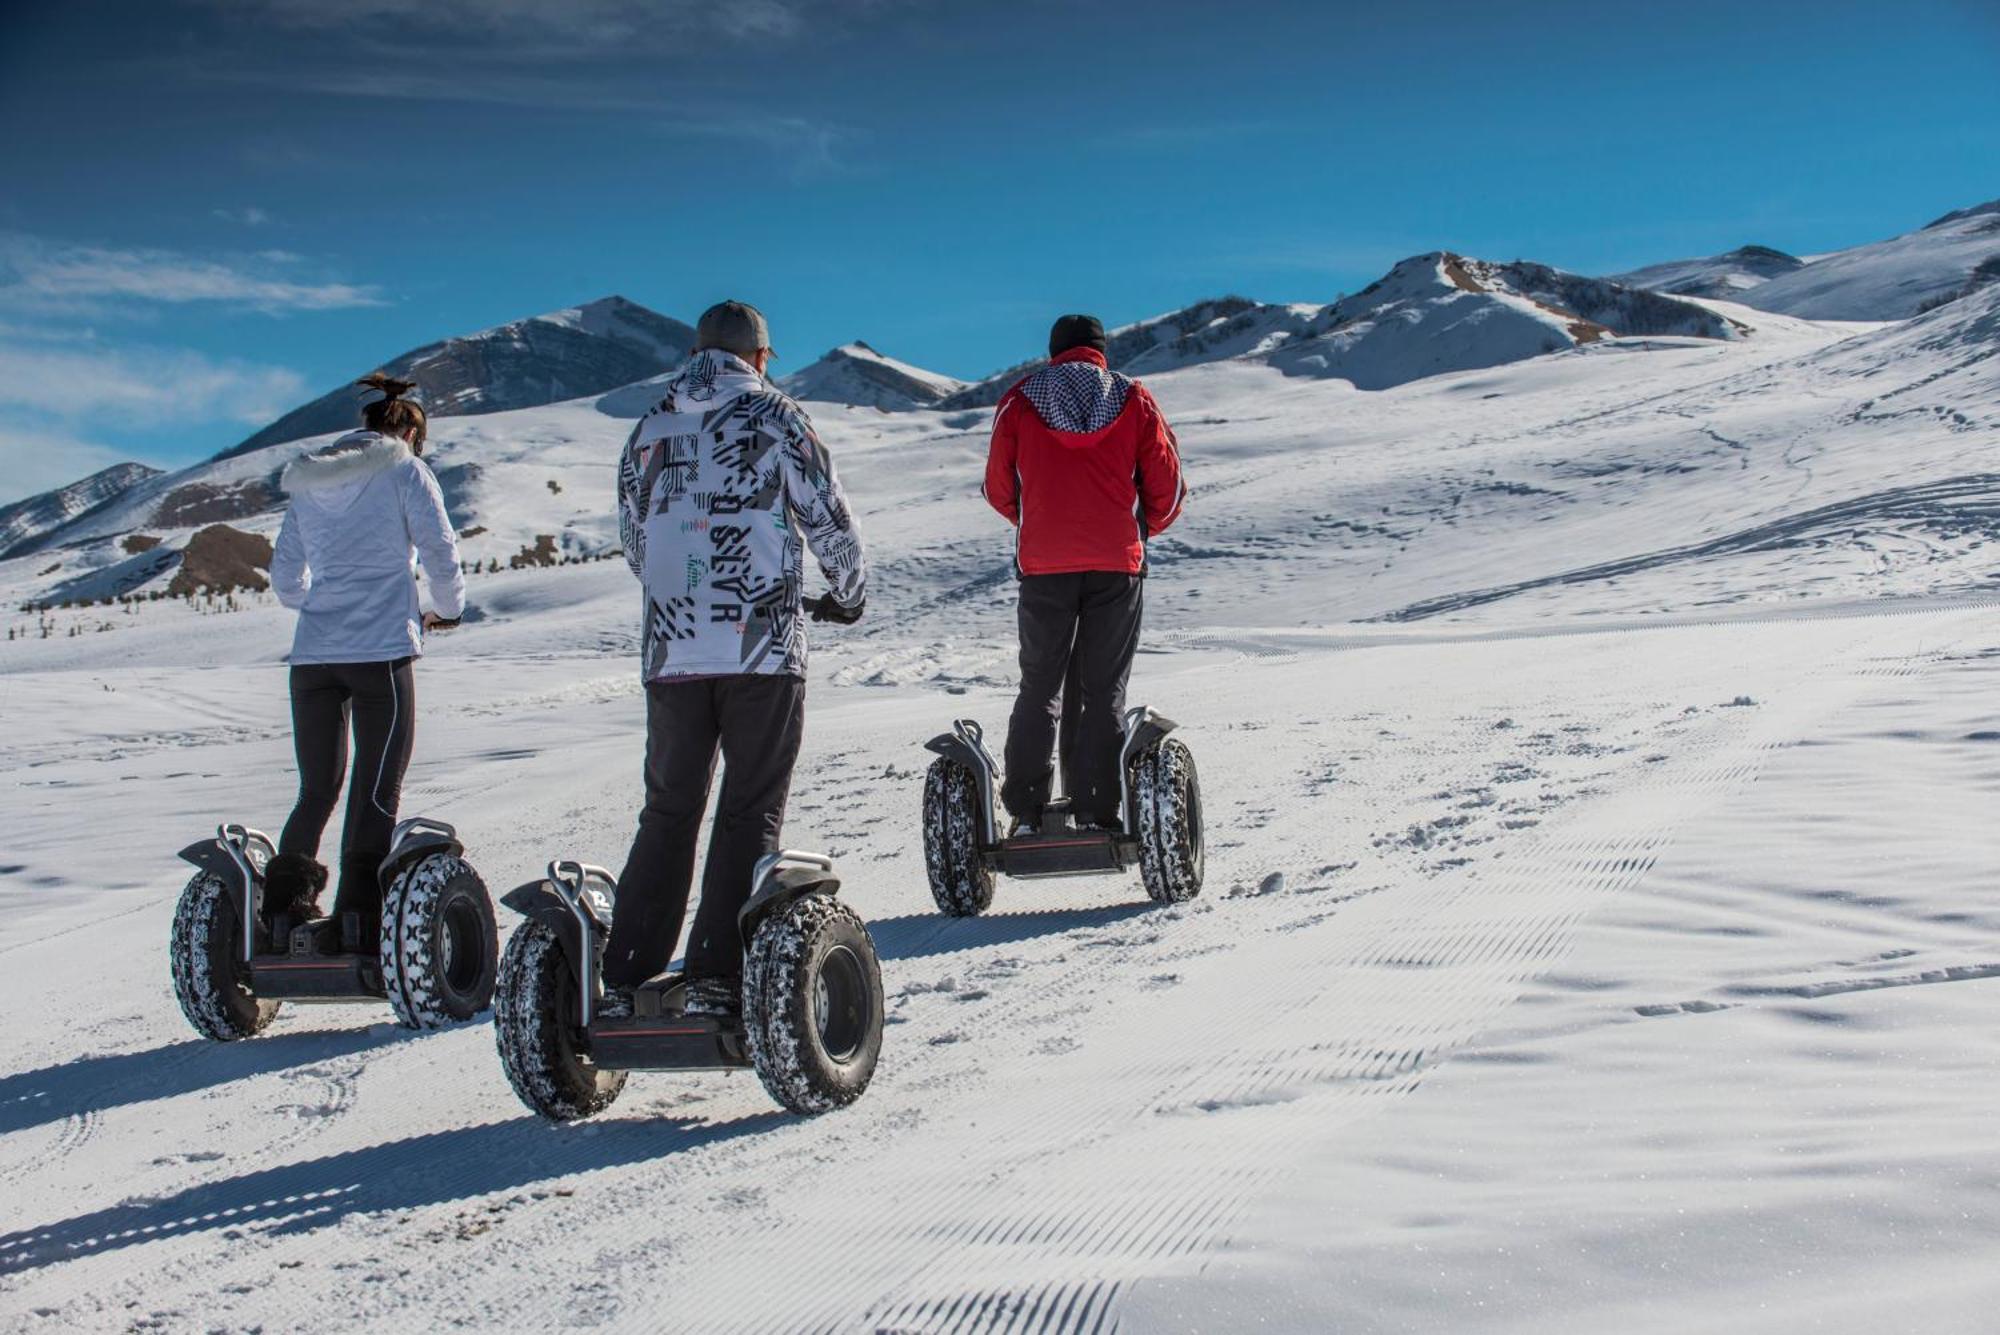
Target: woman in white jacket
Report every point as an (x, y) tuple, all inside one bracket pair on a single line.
[(359, 508)]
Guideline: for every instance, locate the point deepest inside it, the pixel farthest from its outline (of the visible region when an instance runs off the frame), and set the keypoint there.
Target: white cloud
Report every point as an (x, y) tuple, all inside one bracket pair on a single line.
[(152, 387), (36, 275), (584, 22), (38, 461), (251, 216)]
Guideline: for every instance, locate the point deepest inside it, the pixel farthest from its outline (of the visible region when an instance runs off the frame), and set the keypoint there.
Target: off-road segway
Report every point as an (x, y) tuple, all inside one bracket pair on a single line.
[(812, 996), (232, 968), (1161, 832)]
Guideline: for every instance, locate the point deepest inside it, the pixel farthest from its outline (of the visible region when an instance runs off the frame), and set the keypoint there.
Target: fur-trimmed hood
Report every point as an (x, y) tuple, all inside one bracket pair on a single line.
[(355, 457)]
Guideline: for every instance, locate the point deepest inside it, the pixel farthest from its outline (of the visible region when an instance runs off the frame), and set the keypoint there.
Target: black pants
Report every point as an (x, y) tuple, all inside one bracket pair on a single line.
[(756, 721), (378, 700), (1078, 635)]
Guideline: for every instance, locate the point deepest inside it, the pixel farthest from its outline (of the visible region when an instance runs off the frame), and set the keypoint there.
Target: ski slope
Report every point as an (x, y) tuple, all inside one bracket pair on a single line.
[(1598, 753)]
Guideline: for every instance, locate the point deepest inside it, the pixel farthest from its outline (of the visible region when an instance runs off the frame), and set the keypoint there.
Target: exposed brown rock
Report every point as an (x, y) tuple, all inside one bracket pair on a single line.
[(1454, 269), (543, 553), (220, 559), (139, 542)]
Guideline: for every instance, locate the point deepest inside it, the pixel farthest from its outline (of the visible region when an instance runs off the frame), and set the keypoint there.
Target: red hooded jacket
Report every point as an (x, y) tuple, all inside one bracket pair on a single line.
[(1085, 466)]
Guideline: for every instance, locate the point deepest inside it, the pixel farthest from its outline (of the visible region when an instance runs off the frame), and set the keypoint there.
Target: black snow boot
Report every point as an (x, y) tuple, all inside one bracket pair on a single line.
[(719, 995), (291, 886)]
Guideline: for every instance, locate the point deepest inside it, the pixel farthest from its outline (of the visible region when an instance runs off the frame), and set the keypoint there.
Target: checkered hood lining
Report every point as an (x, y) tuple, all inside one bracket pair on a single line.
[(1078, 396)]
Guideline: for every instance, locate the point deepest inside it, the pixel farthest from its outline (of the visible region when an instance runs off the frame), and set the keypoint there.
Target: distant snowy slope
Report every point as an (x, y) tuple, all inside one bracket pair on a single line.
[(1620, 308), (25, 523), (856, 374), (1950, 355), (1430, 314), (1727, 276), (1887, 280), (544, 359), (1443, 312), (1204, 332)]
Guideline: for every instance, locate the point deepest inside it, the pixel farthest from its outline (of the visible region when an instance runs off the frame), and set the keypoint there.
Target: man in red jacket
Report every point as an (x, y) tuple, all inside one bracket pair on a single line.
[(1086, 468)]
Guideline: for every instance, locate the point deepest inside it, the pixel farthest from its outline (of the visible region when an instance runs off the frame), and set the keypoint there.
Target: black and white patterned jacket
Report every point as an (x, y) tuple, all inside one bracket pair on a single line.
[(722, 486)]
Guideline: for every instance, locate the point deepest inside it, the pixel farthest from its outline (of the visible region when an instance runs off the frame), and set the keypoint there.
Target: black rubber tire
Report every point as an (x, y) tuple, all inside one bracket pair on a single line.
[(1171, 852), (210, 979), (440, 947), (534, 1026), (812, 1004), (961, 882)]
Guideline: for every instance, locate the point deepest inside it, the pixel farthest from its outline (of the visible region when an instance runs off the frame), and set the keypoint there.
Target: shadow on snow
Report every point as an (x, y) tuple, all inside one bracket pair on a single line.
[(917, 935), (417, 1171), (89, 1084)]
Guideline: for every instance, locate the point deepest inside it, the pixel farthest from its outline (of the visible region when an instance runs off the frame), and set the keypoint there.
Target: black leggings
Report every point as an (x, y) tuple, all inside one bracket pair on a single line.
[(379, 699)]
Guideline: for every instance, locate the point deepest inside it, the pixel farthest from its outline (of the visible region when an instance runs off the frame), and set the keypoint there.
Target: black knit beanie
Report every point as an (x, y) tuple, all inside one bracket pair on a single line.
[(1076, 331)]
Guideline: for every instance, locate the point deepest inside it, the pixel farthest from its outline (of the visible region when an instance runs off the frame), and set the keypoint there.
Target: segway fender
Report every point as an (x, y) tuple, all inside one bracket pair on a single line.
[(965, 744), (538, 900), (417, 838), (1143, 730), (583, 895), (209, 856), (781, 879), (954, 747)]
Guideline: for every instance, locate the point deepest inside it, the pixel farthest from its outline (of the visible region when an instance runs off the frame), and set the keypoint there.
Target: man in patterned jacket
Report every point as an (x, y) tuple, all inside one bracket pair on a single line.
[(1086, 468), (722, 486)]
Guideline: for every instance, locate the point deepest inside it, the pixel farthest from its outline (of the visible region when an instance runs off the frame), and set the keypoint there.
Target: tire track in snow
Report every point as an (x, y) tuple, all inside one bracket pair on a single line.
[(998, 1238), (72, 1134), (931, 1253), (1430, 989)]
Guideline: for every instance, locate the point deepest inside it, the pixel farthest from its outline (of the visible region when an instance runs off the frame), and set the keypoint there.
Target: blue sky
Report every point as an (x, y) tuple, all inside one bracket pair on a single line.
[(216, 209)]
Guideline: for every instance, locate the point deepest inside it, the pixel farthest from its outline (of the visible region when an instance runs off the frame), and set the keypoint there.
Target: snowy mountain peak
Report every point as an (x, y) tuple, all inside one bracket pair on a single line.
[(1726, 276), (1991, 206), (856, 374), (1888, 280), (1442, 311), (1206, 331), (25, 523), (619, 319), (564, 354)]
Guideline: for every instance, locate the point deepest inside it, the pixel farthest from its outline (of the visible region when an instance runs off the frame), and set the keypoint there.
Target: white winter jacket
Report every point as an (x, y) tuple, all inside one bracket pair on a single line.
[(358, 508)]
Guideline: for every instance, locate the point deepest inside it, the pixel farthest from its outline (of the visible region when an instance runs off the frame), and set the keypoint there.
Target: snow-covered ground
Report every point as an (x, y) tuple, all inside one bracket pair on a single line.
[(1598, 752)]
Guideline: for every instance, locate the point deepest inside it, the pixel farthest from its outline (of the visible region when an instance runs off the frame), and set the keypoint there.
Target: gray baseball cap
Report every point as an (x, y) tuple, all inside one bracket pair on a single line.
[(733, 326)]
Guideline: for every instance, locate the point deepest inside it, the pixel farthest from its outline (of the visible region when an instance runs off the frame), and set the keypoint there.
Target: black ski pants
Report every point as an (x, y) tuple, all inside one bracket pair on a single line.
[(378, 702), (756, 721), (1078, 635)]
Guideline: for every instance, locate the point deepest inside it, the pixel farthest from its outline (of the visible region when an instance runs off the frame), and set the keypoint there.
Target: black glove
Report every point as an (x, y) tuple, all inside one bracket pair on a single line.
[(825, 608)]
